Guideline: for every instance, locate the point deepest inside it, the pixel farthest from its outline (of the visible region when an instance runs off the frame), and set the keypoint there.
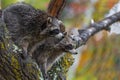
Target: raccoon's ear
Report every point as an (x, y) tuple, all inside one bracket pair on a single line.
[(62, 27), (49, 20)]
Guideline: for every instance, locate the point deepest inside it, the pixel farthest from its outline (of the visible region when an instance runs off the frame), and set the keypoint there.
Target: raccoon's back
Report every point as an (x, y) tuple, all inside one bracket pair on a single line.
[(22, 19)]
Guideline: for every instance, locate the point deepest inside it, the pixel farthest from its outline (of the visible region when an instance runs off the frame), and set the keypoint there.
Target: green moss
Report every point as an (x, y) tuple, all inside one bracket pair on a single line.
[(60, 68), (15, 64), (2, 45)]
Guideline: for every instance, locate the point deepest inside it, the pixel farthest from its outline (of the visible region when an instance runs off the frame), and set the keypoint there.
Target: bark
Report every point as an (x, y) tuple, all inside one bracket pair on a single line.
[(13, 66)]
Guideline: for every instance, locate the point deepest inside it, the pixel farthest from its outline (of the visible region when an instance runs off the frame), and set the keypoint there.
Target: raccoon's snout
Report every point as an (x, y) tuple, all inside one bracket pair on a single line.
[(73, 51), (60, 35)]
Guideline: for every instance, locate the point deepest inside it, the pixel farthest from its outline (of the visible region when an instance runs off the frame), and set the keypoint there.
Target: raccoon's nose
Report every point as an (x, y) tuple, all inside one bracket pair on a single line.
[(73, 51)]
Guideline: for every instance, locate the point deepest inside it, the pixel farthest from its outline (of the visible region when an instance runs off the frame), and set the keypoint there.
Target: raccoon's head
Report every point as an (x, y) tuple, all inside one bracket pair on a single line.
[(72, 41), (56, 27)]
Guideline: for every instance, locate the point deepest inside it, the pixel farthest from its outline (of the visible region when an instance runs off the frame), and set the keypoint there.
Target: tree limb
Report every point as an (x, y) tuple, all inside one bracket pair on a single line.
[(96, 27)]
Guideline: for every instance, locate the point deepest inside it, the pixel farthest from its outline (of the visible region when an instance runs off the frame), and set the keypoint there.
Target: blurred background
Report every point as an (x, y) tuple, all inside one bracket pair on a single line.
[(99, 59)]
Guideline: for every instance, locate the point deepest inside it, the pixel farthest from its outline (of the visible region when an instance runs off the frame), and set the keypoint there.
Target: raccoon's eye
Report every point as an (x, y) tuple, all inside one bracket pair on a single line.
[(69, 47), (54, 32), (49, 20)]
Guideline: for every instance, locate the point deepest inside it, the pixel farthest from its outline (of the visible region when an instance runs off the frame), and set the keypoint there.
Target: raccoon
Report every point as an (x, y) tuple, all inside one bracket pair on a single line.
[(40, 35), (46, 52), (27, 25)]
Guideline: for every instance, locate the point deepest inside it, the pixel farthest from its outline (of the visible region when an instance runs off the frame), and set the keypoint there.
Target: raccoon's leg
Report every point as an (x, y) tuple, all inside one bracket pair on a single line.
[(44, 71)]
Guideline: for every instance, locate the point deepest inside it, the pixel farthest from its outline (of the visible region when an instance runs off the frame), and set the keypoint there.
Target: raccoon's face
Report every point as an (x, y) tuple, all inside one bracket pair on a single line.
[(73, 41), (55, 27)]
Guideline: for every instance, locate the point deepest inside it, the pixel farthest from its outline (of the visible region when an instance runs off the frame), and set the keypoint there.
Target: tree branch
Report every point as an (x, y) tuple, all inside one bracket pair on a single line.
[(96, 27)]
